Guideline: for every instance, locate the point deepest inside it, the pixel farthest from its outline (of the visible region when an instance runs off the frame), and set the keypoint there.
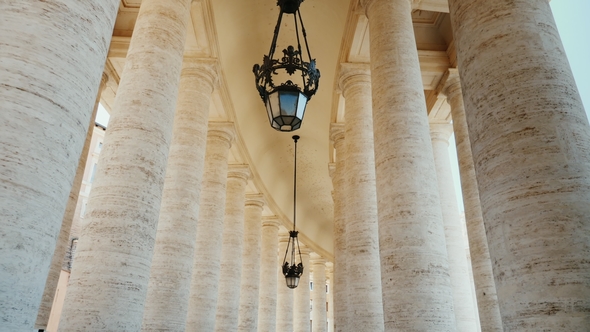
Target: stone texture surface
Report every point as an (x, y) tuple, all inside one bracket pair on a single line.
[(362, 233), (63, 239), (269, 264), (172, 263), (459, 269), (301, 296), (108, 284), (531, 148), (250, 280), (414, 267), (318, 294), (341, 313), (284, 293), (485, 288), (330, 298), (228, 300), (50, 79), (207, 257)]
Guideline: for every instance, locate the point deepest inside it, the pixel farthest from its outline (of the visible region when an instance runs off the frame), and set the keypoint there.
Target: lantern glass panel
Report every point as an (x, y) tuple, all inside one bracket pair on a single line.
[(289, 103), (292, 282), (301, 105)]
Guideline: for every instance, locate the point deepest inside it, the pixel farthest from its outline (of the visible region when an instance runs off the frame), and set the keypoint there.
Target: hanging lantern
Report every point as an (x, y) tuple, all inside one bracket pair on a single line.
[(286, 101)]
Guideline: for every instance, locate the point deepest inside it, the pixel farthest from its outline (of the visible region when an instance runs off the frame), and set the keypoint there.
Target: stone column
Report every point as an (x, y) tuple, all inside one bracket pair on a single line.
[(250, 280), (456, 243), (207, 257), (530, 140), (50, 80), (362, 229), (269, 264), (172, 264), (318, 295), (228, 300), (330, 295), (63, 239), (485, 289), (341, 313), (301, 295), (411, 233), (284, 293), (108, 284)]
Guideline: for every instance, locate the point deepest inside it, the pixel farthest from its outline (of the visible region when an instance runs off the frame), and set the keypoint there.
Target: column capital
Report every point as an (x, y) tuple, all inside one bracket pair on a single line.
[(332, 169), (222, 130), (365, 4), (241, 172), (304, 249), (270, 222), (441, 132), (283, 236), (353, 74), (452, 84), (204, 68), (337, 134), (316, 259), (255, 200)]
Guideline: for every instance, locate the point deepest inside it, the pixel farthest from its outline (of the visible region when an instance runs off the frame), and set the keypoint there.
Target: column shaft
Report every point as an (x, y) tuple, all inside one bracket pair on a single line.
[(485, 288), (530, 141), (318, 295), (411, 234), (172, 263), (228, 299), (50, 80), (207, 257), (269, 263), (284, 293), (362, 233), (250, 280), (301, 315)]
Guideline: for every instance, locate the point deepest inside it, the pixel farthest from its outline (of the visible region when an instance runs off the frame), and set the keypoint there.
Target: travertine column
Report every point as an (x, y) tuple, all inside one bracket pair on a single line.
[(172, 264), (108, 284), (63, 239), (330, 298), (530, 141), (250, 280), (228, 300), (301, 295), (341, 314), (411, 234), (284, 293), (318, 294), (456, 242), (207, 257), (362, 233), (269, 264), (50, 79), (485, 289)]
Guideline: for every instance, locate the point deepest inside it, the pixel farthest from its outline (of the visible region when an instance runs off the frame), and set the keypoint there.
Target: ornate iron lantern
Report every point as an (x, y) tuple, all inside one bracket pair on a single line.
[(285, 103), (292, 270)]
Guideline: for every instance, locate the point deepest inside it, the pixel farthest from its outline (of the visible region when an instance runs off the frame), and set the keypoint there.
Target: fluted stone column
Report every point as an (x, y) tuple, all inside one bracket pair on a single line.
[(529, 137), (362, 229), (228, 300), (318, 294), (465, 315), (485, 288), (63, 239), (339, 194), (250, 280), (50, 80), (269, 264), (284, 293), (301, 295), (207, 257), (108, 284), (411, 234), (172, 264)]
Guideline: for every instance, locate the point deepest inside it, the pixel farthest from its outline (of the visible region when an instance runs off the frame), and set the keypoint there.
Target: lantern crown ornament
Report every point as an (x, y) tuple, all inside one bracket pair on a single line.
[(291, 269), (286, 101)]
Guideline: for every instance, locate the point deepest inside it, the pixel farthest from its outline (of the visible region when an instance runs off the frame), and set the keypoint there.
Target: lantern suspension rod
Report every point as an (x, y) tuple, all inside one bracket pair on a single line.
[(295, 138), (273, 45), (304, 35)]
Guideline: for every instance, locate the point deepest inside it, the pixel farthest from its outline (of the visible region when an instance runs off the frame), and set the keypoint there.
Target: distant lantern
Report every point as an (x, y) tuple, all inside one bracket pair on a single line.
[(285, 103)]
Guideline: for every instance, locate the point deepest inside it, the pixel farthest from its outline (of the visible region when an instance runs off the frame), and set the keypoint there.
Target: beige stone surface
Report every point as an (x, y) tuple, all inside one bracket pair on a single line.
[(269, 264), (172, 263), (318, 294), (485, 288), (531, 150), (207, 257), (341, 313), (250, 280), (108, 284), (50, 80), (284, 293), (362, 233), (414, 267), (228, 300), (301, 295), (459, 269)]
